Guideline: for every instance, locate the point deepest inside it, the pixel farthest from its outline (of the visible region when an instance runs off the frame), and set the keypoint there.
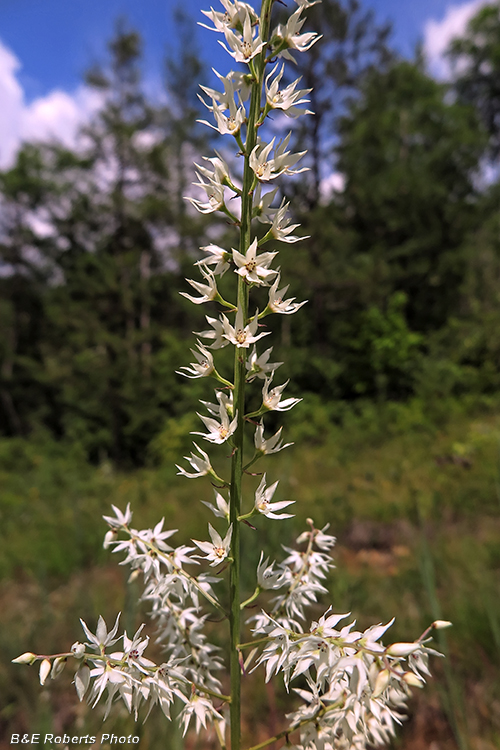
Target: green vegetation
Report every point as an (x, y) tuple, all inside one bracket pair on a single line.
[(397, 354), (413, 499)]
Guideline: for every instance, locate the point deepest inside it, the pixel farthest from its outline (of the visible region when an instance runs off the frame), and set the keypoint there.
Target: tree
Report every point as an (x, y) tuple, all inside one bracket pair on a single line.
[(25, 394), (476, 61), (352, 44), (111, 311), (409, 157), (185, 138)]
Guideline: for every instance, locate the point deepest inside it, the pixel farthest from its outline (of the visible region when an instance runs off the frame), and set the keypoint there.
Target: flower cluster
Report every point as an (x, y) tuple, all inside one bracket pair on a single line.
[(188, 672), (356, 687)]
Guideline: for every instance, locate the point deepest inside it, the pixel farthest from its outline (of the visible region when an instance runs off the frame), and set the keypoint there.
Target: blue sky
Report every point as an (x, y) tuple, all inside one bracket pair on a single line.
[(55, 40), (46, 45)]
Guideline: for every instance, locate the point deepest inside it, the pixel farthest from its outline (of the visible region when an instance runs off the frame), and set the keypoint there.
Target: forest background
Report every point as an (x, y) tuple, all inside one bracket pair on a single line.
[(397, 357)]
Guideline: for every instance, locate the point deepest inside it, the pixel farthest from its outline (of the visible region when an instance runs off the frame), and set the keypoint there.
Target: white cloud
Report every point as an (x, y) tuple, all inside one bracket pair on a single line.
[(57, 115), (438, 34), (333, 183)]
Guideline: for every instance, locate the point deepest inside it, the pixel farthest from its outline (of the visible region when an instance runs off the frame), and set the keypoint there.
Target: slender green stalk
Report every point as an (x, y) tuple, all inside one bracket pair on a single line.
[(239, 386)]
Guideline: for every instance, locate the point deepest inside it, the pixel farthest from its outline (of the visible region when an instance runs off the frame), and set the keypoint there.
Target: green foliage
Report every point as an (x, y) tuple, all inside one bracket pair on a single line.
[(420, 152), (475, 59), (93, 324), (50, 500), (352, 44), (411, 496), (401, 268)]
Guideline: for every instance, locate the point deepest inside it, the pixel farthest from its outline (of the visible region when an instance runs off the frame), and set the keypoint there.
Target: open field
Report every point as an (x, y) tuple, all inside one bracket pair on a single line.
[(415, 506)]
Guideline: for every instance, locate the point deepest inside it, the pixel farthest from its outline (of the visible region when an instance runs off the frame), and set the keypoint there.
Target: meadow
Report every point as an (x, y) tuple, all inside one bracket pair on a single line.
[(412, 493)]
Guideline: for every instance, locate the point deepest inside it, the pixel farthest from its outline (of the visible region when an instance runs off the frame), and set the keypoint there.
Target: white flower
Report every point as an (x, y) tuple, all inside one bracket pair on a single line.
[(102, 638), (217, 550), (208, 291), (262, 204), (105, 673), (254, 268), (271, 399), (122, 519), (277, 652), (284, 160), (307, 3), (213, 184), (226, 124), (218, 432), (224, 399), (273, 444), (133, 649), (241, 335), (279, 305), (266, 168), (259, 366), (217, 257), (243, 48), (201, 709), (234, 16), (215, 195), (289, 36), (201, 466), (156, 537), (263, 497), (267, 577), (218, 334), (325, 626), (281, 228), (221, 507), (235, 83), (262, 166), (323, 540), (288, 98), (203, 368), (219, 174)]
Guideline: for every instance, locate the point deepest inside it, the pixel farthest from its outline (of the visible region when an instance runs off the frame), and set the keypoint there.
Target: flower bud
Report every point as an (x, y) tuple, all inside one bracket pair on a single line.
[(411, 679), (58, 666), (45, 668), (109, 538), (82, 679), (373, 673), (441, 624), (78, 650), (26, 658), (402, 649), (381, 682)]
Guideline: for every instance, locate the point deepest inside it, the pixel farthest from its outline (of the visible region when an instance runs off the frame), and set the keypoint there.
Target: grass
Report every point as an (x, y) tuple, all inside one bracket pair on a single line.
[(413, 500)]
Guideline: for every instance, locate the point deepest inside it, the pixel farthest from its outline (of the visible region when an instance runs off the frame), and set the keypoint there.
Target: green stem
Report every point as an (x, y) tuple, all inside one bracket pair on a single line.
[(240, 381), (250, 598), (234, 512), (246, 516), (256, 642), (222, 380), (254, 459)]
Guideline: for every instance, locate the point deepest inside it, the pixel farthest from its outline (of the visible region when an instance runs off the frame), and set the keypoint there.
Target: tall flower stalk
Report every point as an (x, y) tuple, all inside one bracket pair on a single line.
[(353, 688)]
